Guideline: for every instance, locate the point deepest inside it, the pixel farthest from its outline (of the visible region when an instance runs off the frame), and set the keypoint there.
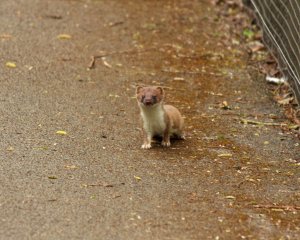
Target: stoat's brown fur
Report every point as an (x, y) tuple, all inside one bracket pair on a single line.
[(158, 119)]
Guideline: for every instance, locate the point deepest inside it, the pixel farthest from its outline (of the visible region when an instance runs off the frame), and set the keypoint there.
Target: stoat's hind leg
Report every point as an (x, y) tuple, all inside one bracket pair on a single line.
[(180, 135)]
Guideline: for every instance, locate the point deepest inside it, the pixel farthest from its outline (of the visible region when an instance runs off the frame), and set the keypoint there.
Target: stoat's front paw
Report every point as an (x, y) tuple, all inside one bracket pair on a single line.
[(166, 143), (146, 146), (182, 137)]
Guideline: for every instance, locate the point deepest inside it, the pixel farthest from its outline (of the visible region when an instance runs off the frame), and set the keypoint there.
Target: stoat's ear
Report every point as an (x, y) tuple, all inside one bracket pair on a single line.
[(138, 89), (161, 90)]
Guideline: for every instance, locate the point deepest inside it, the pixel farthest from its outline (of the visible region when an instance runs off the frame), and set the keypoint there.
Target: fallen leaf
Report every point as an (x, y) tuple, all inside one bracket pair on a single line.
[(10, 65), (178, 79), (137, 178), (248, 33), (277, 210), (60, 132), (285, 101), (224, 105), (293, 127), (256, 46), (64, 36), (71, 167), (225, 155), (230, 197), (52, 177)]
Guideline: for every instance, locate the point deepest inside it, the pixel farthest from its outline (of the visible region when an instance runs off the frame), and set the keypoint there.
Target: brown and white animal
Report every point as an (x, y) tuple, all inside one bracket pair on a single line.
[(158, 119)]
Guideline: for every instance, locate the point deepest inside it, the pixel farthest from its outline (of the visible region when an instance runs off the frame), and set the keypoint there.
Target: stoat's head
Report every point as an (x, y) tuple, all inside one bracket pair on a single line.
[(149, 96)]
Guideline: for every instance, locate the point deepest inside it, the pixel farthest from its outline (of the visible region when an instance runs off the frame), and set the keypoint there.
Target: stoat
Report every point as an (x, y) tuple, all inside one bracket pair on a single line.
[(158, 119)]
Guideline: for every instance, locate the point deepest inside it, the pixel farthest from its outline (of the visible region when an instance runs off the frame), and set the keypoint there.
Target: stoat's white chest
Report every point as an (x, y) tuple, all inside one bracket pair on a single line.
[(153, 119)]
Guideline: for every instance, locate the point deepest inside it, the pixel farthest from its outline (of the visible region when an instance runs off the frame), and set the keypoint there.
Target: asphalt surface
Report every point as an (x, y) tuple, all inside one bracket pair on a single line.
[(91, 180)]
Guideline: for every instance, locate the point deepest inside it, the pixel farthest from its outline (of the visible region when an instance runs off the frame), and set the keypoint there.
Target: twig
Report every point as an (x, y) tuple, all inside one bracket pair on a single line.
[(112, 24), (106, 64), (284, 207), (247, 121), (180, 72), (116, 196), (92, 62), (94, 57), (222, 147), (56, 17), (201, 56), (99, 185), (103, 184)]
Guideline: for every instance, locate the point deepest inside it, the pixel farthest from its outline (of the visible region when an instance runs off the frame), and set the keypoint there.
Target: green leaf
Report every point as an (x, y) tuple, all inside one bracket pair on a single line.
[(248, 33)]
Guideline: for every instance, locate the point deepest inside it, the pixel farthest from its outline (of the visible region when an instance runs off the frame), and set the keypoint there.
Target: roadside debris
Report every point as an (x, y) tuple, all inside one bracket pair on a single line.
[(64, 36), (283, 125), (105, 63), (103, 55), (60, 132), (52, 177), (248, 121), (71, 167), (275, 80), (53, 16), (230, 197), (281, 207), (108, 185), (137, 178), (225, 155), (224, 105), (10, 65)]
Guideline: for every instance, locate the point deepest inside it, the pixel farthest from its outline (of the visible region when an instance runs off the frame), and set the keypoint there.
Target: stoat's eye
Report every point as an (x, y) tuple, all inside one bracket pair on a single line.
[(143, 97), (154, 98)]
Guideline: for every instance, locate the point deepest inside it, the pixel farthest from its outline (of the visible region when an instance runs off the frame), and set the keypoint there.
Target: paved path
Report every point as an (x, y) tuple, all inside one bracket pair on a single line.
[(95, 182)]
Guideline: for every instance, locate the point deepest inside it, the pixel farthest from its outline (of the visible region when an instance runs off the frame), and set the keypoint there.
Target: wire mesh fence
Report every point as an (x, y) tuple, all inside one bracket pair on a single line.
[(280, 23)]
